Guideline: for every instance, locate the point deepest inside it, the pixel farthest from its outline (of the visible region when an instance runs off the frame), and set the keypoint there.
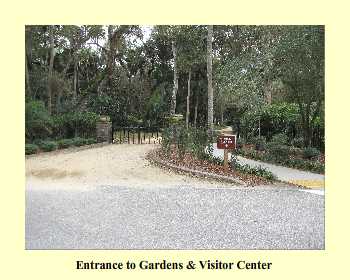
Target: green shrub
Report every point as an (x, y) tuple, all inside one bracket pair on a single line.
[(317, 167), (175, 119), (38, 123), (297, 152), (280, 138), (76, 123), (47, 146), (90, 141), (31, 149), (298, 142), (240, 142), (310, 152), (260, 143), (193, 140), (78, 141), (65, 143), (278, 152), (257, 171), (167, 139), (217, 160), (201, 143), (183, 140)]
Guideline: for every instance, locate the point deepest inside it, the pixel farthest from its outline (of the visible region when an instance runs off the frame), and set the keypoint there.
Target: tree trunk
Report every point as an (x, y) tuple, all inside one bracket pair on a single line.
[(188, 98), (28, 57), (210, 78), (196, 112), (175, 88), (49, 84), (75, 79), (307, 133), (29, 90)]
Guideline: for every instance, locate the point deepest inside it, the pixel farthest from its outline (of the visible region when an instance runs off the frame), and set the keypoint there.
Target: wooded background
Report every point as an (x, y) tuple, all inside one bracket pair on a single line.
[(264, 79)]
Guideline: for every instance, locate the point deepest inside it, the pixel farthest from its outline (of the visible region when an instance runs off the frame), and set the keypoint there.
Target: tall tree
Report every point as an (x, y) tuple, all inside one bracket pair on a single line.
[(210, 78), (176, 79), (191, 57), (28, 50), (116, 36), (299, 62), (50, 74)]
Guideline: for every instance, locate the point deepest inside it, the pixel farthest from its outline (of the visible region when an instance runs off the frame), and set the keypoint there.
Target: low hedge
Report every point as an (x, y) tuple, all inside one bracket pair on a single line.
[(298, 163), (257, 171), (244, 168), (47, 146), (31, 149), (309, 153), (65, 143), (79, 141)]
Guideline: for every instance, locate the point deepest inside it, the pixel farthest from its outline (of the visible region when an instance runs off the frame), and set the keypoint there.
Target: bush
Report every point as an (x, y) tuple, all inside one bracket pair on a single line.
[(201, 143), (296, 152), (167, 139), (31, 149), (38, 123), (79, 141), (280, 138), (90, 141), (298, 142), (278, 152), (183, 140), (77, 123), (240, 142), (193, 140), (65, 143), (257, 171), (216, 160), (310, 153), (260, 143), (47, 146)]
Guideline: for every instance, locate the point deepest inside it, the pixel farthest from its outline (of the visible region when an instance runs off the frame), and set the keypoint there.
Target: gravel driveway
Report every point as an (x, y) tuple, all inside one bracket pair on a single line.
[(110, 198)]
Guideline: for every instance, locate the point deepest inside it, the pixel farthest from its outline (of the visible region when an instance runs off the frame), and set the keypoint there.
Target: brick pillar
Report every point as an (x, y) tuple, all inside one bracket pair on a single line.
[(104, 130)]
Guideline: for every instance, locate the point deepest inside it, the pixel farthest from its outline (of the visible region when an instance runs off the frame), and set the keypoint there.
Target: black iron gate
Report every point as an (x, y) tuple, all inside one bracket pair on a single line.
[(136, 135)]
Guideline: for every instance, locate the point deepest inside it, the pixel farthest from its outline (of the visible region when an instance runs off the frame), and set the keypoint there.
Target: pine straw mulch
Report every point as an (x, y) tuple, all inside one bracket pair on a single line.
[(191, 162)]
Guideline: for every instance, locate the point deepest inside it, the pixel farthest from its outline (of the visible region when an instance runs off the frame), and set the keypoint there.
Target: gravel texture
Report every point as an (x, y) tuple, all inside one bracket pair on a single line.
[(111, 198), (116, 217)]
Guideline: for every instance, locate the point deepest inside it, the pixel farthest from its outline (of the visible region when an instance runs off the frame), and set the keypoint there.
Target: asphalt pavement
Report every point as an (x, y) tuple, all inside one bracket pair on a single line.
[(182, 217)]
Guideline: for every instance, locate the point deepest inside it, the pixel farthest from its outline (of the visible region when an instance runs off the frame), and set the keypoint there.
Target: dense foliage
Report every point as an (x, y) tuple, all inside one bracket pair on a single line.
[(197, 143), (48, 146), (266, 80)]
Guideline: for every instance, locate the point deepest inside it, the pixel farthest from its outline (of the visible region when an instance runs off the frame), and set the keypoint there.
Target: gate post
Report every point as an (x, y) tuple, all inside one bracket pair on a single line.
[(104, 130)]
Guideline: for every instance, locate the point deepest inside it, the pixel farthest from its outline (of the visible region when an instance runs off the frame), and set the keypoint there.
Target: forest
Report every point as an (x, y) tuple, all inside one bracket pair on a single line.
[(267, 82)]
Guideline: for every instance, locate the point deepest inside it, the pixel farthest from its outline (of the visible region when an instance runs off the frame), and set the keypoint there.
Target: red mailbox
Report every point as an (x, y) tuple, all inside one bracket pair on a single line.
[(226, 142)]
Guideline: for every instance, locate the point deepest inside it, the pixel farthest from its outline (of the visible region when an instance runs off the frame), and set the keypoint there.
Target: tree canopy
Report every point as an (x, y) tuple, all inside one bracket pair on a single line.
[(138, 75)]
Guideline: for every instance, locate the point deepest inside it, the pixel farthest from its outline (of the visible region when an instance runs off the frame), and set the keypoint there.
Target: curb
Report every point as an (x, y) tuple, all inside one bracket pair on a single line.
[(196, 172)]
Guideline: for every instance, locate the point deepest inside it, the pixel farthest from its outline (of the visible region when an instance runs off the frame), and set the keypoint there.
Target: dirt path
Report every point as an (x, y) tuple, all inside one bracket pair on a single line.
[(119, 165)]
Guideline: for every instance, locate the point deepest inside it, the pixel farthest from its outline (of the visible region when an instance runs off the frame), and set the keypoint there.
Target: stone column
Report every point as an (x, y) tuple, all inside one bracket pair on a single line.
[(104, 130)]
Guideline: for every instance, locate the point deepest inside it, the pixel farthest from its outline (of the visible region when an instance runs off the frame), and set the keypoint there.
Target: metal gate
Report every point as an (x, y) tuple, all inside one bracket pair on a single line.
[(136, 135)]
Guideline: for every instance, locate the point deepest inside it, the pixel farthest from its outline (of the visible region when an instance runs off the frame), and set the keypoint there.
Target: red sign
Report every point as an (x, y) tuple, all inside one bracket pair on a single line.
[(226, 142)]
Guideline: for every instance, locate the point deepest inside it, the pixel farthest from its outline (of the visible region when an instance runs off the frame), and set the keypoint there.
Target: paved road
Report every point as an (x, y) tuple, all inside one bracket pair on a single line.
[(307, 179), (111, 198), (179, 217)]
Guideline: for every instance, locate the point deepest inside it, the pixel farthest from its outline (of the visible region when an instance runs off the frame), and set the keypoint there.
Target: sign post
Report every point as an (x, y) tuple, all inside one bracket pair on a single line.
[(226, 142)]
